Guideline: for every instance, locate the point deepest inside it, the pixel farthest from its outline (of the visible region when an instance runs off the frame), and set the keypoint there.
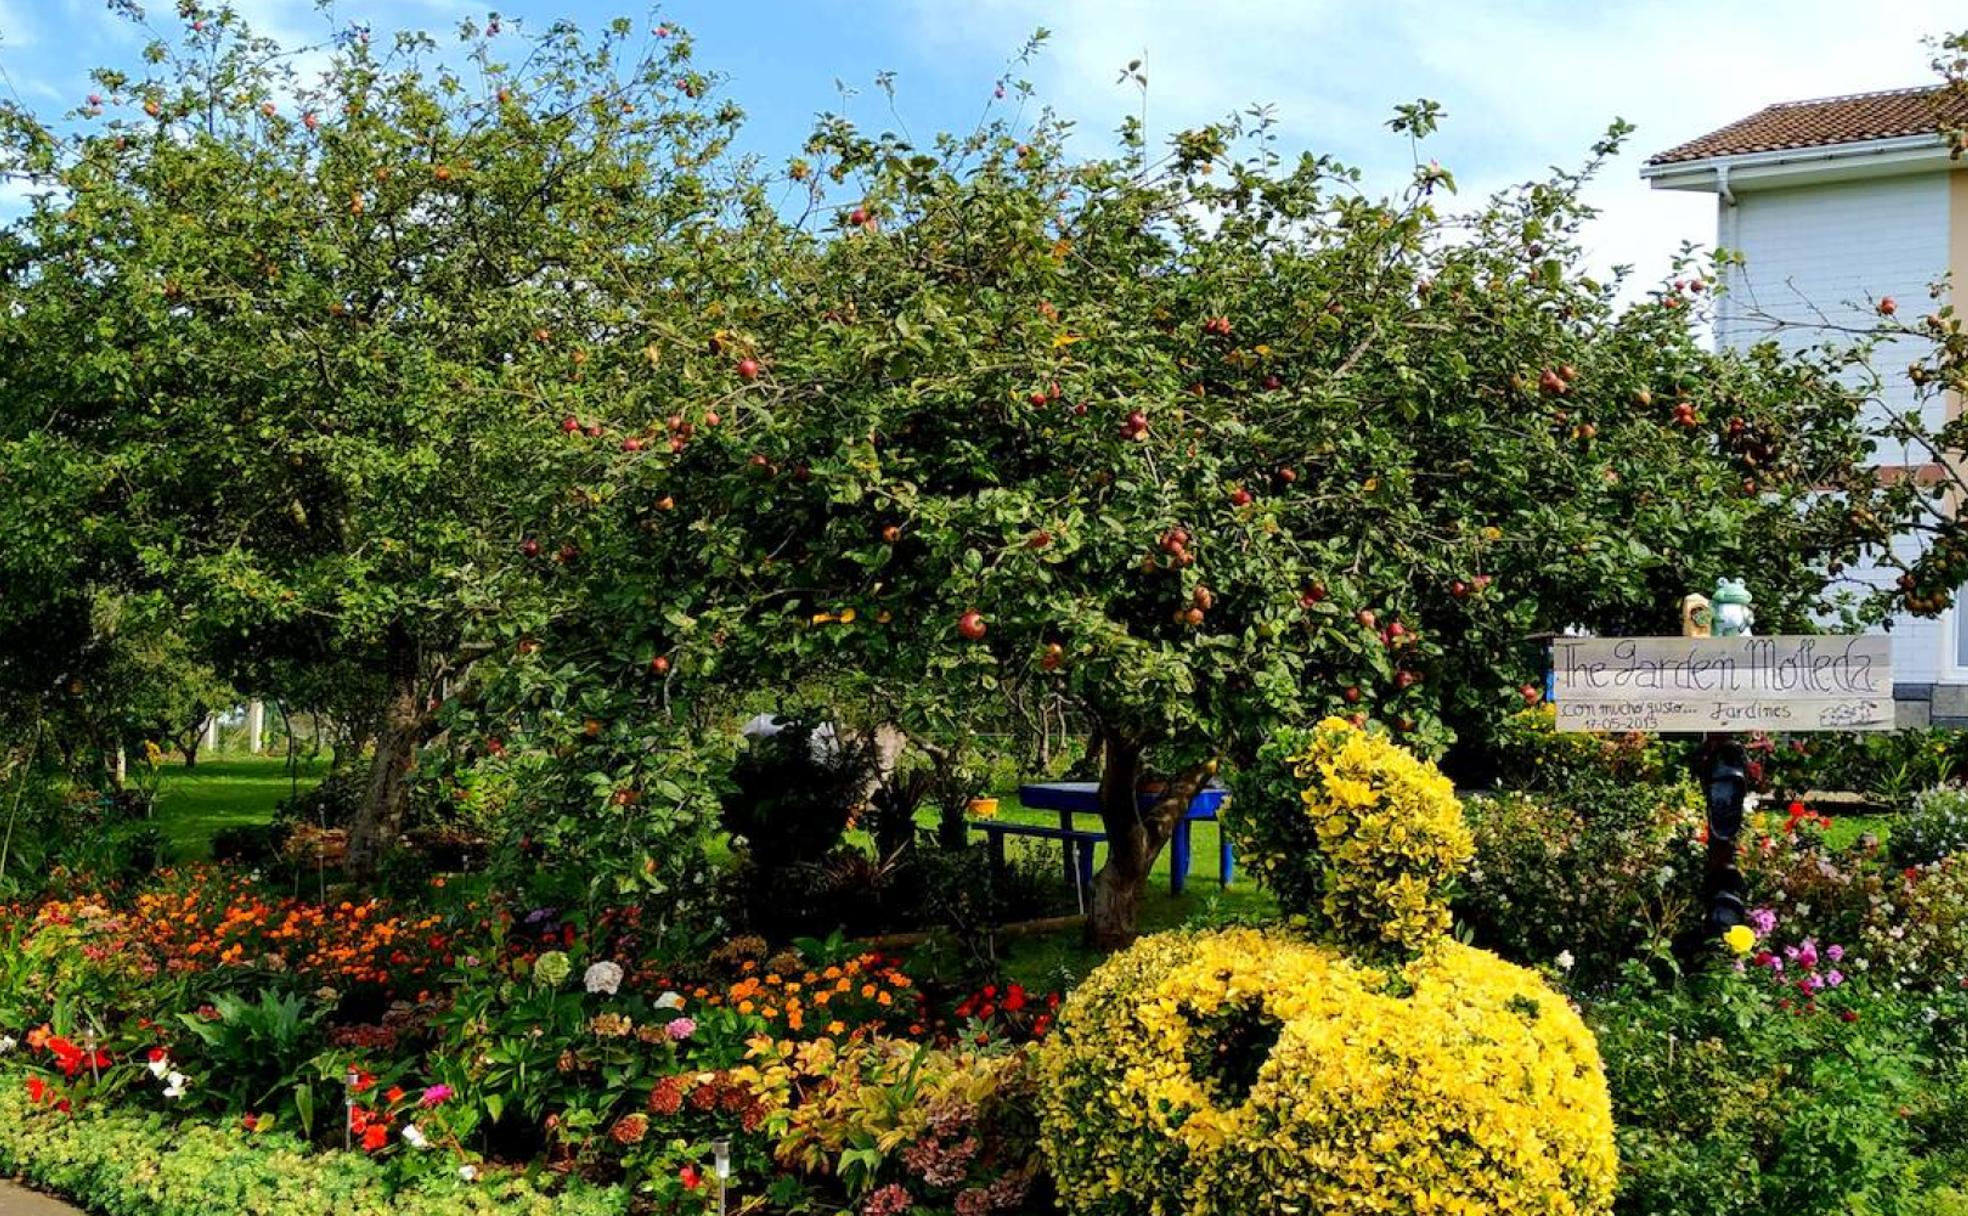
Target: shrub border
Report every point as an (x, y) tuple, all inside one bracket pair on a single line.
[(131, 1163)]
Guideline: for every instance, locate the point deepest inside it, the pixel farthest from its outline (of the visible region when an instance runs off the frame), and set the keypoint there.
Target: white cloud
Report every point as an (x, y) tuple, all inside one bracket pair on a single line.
[(1526, 85)]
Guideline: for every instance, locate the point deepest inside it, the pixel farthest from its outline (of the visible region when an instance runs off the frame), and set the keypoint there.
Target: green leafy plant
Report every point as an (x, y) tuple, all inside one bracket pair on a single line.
[(254, 1055)]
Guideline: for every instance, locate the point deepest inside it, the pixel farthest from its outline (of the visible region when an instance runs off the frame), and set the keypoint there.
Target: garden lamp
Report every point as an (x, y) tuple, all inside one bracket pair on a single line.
[(721, 1166), (349, 1080)]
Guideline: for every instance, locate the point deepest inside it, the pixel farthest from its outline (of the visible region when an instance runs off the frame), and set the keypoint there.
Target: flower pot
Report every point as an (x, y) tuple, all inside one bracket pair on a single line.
[(983, 808)]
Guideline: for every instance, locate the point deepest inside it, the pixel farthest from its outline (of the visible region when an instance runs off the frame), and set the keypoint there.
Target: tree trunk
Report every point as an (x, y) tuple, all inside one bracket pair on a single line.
[(1134, 839), (380, 817)]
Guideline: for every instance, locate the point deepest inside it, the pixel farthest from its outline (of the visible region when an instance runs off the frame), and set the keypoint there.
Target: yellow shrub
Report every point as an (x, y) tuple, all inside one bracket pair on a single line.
[(1242, 1072), (1375, 838)]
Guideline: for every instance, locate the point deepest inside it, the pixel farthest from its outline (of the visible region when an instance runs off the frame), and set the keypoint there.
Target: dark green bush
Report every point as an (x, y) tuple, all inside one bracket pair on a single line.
[(1595, 876), (330, 803), (791, 800)]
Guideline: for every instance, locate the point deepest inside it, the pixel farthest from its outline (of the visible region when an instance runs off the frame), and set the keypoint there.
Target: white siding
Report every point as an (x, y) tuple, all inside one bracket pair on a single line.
[(1815, 258)]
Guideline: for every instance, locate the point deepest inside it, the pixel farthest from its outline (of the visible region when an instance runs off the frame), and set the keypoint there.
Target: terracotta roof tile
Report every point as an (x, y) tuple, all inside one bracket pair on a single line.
[(1827, 120)]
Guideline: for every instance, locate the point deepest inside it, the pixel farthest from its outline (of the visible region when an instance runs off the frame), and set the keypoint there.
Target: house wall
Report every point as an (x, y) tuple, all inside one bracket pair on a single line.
[(1816, 258)]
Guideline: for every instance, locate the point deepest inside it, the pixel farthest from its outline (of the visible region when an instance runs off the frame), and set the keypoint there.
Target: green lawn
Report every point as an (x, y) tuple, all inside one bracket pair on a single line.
[(193, 804)]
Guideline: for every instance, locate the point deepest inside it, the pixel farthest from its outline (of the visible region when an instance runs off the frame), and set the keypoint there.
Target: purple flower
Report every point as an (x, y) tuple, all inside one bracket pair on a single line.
[(1807, 954), (681, 1028), (1764, 921), (435, 1095), (1835, 953), (1834, 978)]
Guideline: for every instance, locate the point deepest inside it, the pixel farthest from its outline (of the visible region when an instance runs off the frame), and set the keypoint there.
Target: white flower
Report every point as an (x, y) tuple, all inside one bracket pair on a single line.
[(604, 978), (414, 1136), (670, 1000), (468, 1172), (174, 1085), (7, 1043), (1565, 960), (159, 1066)]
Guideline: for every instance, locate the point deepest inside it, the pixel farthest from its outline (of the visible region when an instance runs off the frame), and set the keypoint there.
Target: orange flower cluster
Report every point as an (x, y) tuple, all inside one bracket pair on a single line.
[(207, 919), (856, 997)]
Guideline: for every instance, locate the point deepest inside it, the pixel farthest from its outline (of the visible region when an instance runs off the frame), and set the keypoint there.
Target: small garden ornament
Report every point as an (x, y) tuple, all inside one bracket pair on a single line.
[(1733, 615)]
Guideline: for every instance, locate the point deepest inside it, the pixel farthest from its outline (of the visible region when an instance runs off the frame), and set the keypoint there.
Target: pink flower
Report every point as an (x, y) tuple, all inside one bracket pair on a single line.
[(435, 1095), (1835, 953), (1764, 921), (681, 1028)]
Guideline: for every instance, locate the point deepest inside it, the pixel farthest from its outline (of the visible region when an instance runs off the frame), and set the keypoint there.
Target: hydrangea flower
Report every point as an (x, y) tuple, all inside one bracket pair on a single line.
[(604, 978), (681, 1028), (551, 969)]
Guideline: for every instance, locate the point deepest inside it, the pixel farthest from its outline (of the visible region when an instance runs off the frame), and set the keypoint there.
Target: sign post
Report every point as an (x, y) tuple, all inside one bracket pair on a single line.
[(1716, 686)]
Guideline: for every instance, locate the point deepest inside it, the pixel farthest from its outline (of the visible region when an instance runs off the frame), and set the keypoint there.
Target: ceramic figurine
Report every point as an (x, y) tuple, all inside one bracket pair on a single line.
[(1696, 616), (1733, 616)]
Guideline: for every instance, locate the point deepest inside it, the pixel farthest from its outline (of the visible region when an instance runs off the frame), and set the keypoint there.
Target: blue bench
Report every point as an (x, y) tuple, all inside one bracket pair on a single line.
[(1070, 798), (1078, 846)]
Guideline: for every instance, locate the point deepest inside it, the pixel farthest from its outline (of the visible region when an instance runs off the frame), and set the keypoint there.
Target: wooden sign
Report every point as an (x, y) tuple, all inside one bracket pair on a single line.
[(1834, 683)]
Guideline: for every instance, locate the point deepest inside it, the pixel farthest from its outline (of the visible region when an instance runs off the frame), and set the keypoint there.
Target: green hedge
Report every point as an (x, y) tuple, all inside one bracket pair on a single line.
[(127, 1163)]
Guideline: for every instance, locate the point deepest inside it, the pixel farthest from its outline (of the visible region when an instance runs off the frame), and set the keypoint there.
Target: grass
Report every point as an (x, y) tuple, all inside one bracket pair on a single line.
[(196, 803)]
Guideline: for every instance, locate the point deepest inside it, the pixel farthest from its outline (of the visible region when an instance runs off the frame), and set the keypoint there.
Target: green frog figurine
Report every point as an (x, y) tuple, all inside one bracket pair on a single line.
[(1733, 615)]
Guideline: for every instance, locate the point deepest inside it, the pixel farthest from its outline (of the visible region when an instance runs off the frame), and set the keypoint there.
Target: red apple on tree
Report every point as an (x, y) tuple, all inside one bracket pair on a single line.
[(748, 369), (1887, 306), (660, 665), (530, 547), (971, 625)]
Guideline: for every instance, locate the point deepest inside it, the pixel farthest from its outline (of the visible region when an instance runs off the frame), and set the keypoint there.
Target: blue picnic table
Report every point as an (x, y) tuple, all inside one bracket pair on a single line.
[(1070, 798)]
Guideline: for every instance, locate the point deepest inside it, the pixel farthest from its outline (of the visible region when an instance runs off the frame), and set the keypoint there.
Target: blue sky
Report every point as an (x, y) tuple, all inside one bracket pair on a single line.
[(1526, 83)]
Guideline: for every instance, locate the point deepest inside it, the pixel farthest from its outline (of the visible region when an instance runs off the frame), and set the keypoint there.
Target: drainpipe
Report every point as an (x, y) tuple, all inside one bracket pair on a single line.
[(1730, 227)]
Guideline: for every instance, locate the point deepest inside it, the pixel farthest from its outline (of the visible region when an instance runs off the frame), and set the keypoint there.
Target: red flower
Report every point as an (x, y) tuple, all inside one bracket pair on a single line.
[(1849, 1015), (393, 1094), (155, 1054), (690, 1178), (1014, 999), (374, 1137), (37, 1089)]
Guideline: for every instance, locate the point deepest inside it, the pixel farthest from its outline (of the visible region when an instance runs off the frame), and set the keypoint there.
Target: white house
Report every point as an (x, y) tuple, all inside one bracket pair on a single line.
[(1834, 204)]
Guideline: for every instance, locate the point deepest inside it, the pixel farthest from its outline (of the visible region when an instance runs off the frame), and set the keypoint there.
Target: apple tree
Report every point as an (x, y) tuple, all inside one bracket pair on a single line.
[(317, 359), (1193, 443)]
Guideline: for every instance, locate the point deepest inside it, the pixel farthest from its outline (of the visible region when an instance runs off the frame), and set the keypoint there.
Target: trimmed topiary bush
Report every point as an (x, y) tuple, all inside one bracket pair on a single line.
[(1241, 1072), (1376, 1067), (1369, 843)]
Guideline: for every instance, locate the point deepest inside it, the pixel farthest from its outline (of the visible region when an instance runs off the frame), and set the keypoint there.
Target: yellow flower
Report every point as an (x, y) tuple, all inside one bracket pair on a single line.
[(1740, 938)]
